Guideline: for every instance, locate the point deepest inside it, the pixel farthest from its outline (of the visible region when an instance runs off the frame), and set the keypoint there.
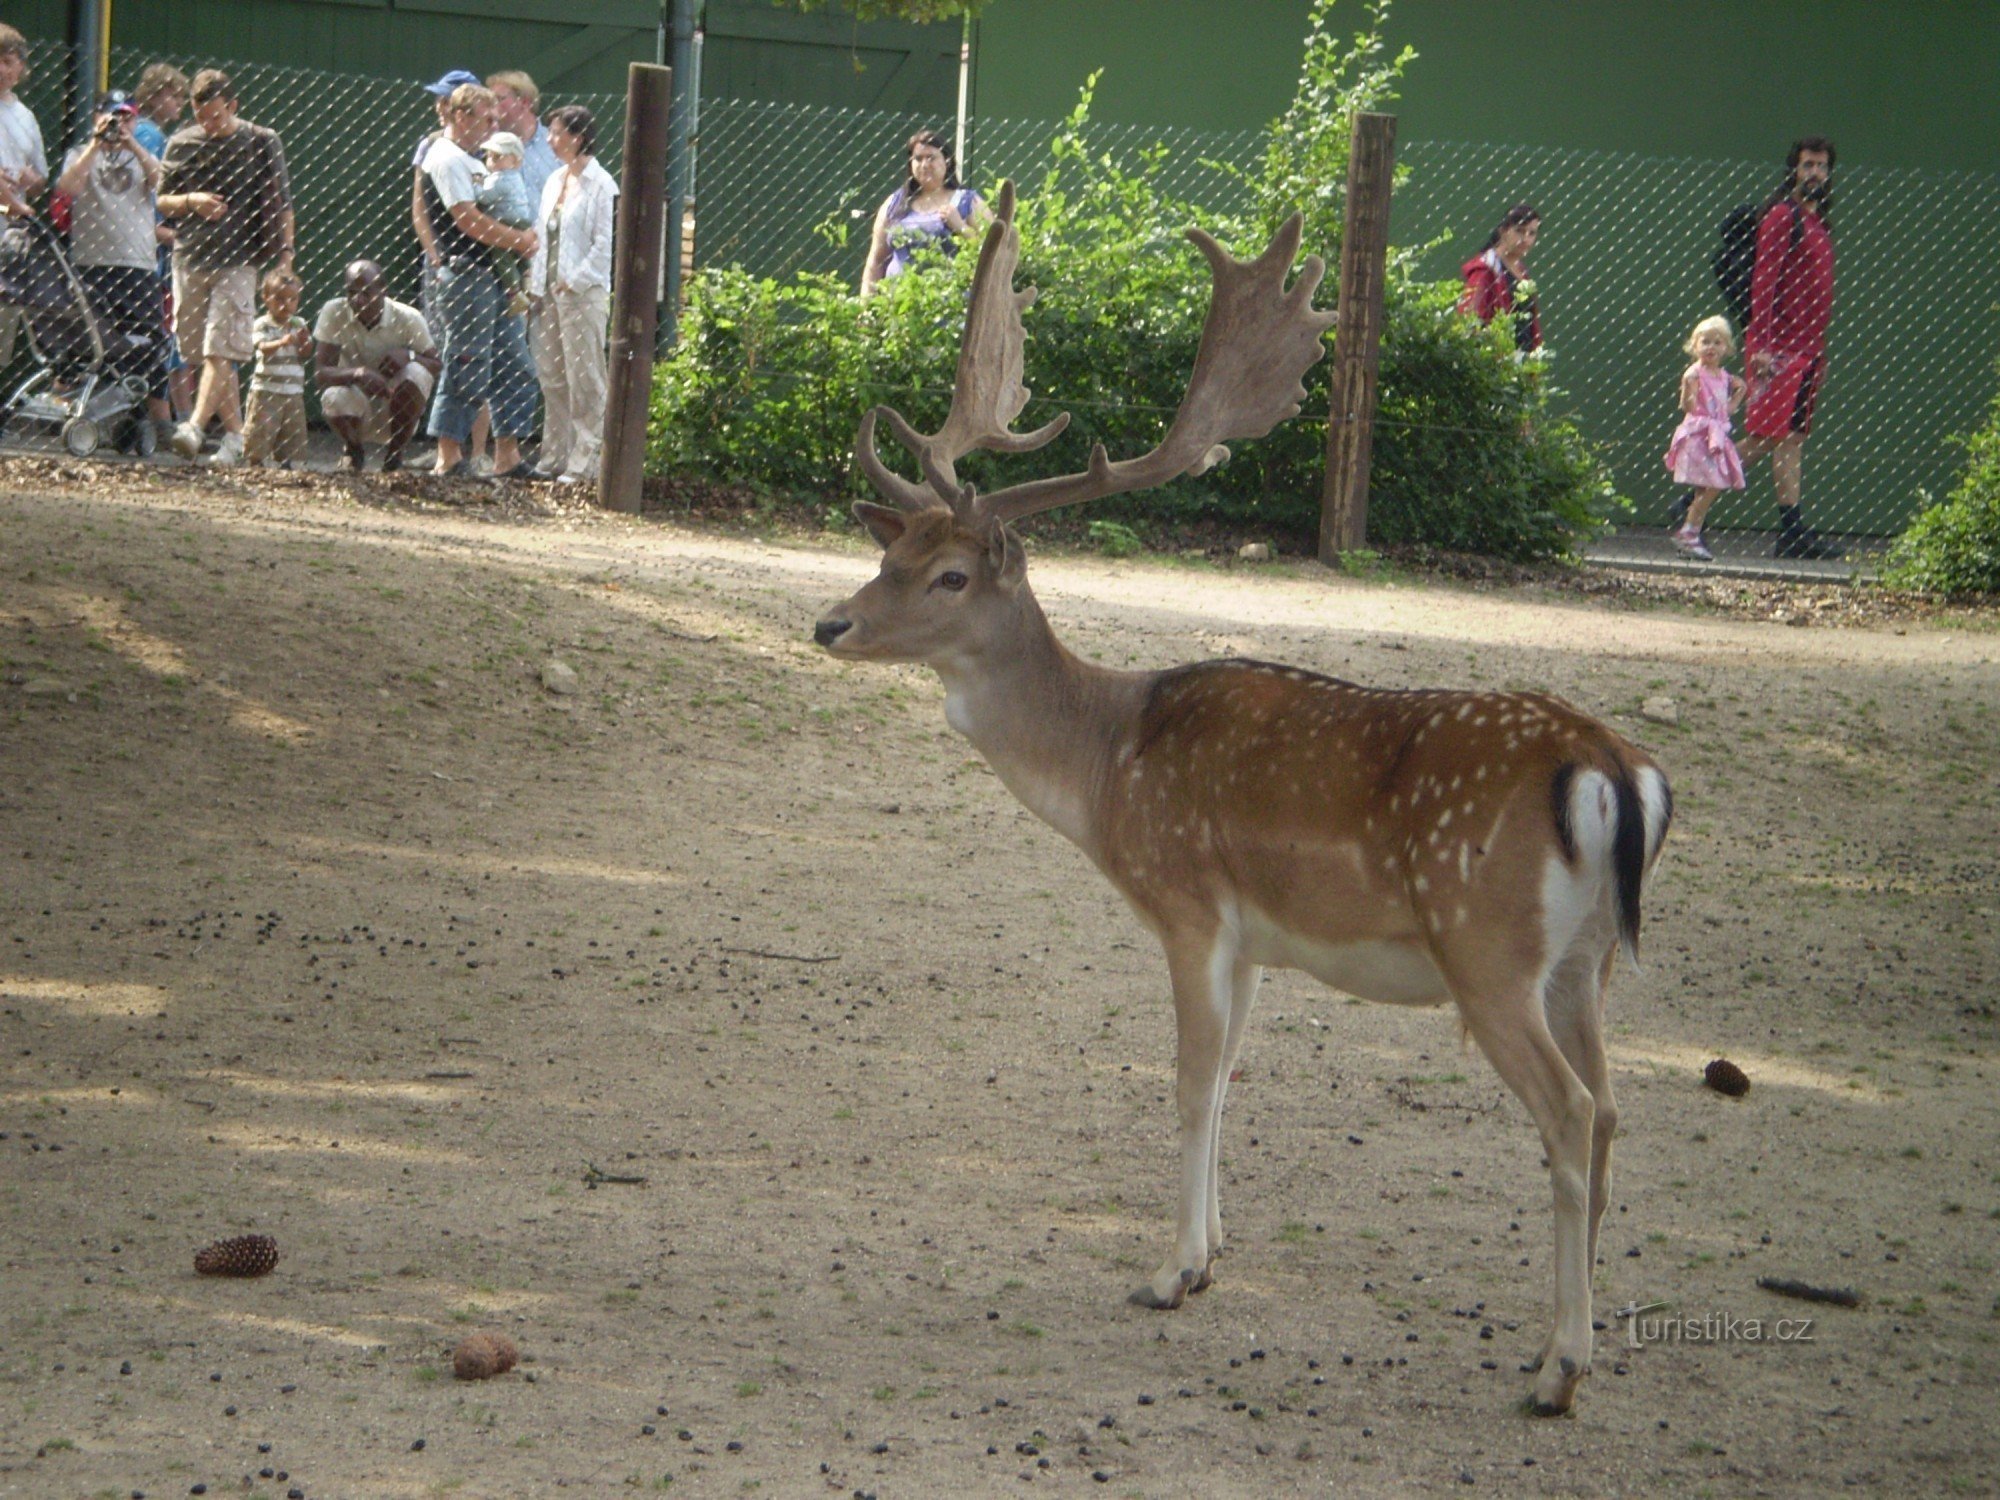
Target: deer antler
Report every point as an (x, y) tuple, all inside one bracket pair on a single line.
[(1256, 346), (987, 394)]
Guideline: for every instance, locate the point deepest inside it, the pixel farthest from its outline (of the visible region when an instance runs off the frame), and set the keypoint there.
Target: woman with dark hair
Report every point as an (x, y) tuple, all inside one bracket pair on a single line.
[(930, 209), (570, 282), (1496, 279)]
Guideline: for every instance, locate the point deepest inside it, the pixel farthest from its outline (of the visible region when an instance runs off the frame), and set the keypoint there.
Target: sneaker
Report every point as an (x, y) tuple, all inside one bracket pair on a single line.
[(356, 458), (1689, 541), (229, 452), (391, 461), (186, 440), (1806, 543)]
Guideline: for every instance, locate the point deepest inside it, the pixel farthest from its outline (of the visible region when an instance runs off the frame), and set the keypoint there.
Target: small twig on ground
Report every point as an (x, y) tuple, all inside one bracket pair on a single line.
[(795, 958), (489, 604), (593, 1175), (1404, 1094), (458, 1073), (1839, 1296)]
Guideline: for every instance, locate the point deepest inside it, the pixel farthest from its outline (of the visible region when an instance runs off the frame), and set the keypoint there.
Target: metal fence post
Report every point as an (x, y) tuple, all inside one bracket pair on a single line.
[(684, 107), (635, 283), (1357, 337)]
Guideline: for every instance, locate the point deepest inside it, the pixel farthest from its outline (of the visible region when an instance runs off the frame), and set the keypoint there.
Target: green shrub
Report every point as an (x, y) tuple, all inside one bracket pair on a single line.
[(1470, 453), (1953, 546)]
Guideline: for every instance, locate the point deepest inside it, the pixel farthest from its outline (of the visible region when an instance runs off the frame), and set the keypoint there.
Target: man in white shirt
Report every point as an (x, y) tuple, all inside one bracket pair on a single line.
[(24, 163), (376, 367)]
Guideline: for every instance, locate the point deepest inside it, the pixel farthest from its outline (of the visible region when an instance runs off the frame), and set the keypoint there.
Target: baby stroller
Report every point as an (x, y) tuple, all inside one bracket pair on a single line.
[(89, 383)]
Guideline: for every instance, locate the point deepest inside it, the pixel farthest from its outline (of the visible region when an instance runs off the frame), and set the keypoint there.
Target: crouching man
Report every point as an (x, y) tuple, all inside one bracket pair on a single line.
[(377, 366)]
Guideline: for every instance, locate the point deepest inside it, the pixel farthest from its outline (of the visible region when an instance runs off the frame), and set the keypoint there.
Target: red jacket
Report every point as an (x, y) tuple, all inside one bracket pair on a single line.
[(1489, 289), (1791, 289)]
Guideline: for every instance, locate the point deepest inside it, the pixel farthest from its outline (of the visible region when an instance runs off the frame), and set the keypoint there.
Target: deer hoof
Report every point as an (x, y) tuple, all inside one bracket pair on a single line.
[(1555, 1392), (1204, 1281), (1146, 1296)]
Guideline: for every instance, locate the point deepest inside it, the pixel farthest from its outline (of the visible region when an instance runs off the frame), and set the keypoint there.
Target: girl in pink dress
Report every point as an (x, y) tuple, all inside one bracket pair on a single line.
[(1701, 453)]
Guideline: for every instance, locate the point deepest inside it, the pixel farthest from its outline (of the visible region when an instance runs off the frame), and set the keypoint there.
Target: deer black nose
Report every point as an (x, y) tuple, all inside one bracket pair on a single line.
[(826, 632)]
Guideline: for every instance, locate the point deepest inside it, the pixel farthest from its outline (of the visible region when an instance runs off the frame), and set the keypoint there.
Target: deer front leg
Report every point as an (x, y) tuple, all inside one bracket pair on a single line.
[(1203, 973)]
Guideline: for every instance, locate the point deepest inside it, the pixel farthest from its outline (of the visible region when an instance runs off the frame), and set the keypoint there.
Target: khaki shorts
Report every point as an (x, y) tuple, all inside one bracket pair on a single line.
[(372, 411), (215, 308), (274, 429)]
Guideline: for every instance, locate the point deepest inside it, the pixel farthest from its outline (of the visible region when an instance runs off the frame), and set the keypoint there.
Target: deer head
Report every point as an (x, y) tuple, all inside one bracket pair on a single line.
[(953, 574)]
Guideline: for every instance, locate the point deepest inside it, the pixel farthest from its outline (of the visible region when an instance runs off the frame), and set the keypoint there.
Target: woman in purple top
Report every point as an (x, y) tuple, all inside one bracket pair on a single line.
[(929, 209)]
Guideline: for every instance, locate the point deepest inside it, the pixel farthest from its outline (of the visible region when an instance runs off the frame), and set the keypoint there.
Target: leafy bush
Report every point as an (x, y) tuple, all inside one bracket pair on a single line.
[(1953, 546), (1469, 452)]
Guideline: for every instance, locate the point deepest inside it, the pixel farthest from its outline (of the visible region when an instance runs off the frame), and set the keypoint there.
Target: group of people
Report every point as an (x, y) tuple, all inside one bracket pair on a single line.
[(176, 234), (1783, 307)]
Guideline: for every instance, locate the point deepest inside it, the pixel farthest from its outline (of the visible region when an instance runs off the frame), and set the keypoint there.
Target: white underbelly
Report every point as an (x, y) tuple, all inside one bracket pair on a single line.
[(1392, 972)]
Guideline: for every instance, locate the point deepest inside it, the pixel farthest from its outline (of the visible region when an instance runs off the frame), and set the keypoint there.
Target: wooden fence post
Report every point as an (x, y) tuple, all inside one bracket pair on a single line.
[(1357, 337), (635, 283)]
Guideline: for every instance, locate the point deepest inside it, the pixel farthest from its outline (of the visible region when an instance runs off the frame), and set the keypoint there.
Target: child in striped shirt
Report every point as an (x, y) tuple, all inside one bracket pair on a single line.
[(274, 426)]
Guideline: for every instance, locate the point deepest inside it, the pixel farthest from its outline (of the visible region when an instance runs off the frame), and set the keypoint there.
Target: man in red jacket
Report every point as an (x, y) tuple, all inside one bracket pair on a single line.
[(1791, 303)]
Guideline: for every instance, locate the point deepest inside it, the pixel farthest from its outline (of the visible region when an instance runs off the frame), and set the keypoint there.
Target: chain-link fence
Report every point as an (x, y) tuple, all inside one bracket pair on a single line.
[(350, 145), (1622, 266), (785, 188), (1623, 272)]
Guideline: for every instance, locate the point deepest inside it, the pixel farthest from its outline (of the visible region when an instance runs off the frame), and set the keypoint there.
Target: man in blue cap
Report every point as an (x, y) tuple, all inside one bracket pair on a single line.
[(440, 92)]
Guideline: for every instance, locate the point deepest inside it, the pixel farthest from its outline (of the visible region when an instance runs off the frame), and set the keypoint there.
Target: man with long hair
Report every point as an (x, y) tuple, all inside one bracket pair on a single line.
[(1791, 303)]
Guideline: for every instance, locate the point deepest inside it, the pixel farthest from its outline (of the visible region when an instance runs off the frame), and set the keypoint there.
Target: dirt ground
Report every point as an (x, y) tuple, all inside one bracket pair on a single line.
[(324, 917)]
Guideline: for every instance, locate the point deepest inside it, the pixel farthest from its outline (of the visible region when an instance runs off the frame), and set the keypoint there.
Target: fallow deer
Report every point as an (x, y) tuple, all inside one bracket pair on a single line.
[(1411, 847)]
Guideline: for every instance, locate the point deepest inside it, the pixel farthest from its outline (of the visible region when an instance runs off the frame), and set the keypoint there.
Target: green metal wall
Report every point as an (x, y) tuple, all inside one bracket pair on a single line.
[(755, 50), (1913, 83), (567, 46)]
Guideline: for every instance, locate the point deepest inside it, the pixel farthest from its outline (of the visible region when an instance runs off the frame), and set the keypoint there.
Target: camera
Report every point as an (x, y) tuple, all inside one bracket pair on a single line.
[(117, 112)]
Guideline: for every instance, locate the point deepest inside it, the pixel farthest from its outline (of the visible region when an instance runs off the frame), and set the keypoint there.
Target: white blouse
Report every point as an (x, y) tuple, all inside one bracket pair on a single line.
[(583, 254)]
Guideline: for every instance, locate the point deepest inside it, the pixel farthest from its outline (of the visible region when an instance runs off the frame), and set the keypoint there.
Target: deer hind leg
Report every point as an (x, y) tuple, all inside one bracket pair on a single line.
[(1574, 1003), (1243, 981), (1511, 1031), (1203, 970)]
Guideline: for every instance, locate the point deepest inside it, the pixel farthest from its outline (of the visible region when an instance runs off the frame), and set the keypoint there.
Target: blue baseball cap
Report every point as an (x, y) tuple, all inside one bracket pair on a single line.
[(451, 81)]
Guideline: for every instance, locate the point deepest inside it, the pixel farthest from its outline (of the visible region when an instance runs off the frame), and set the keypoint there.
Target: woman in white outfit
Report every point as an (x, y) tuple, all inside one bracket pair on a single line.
[(570, 280)]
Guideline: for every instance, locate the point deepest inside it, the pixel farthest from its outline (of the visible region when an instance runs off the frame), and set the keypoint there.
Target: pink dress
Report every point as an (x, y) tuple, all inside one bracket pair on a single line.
[(1701, 453)]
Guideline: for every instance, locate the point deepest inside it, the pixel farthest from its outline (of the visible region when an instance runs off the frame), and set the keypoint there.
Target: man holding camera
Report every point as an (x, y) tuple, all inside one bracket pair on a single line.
[(112, 182)]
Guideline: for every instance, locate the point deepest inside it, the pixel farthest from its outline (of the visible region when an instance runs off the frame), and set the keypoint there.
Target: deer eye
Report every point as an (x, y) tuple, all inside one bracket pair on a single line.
[(952, 579)]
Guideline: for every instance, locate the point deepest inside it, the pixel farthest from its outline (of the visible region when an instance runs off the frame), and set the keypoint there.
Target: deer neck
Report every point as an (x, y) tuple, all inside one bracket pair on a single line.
[(1044, 720)]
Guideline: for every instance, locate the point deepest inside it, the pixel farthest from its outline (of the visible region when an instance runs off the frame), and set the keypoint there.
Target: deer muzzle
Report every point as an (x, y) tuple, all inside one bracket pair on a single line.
[(831, 629)]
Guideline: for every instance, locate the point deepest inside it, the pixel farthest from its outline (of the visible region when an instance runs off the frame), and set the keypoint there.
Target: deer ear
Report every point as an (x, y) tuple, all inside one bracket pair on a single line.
[(1008, 556), (884, 524)]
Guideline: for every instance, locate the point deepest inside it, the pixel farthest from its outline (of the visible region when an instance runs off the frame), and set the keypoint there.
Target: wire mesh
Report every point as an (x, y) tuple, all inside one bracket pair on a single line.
[(1622, 265), (1622, 271), (349, 144), (784, 188)]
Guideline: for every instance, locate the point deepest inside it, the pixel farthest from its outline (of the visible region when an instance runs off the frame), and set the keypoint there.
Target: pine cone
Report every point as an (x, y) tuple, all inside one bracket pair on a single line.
[(245, 1255), (1725, 1077), (481, 1356)]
